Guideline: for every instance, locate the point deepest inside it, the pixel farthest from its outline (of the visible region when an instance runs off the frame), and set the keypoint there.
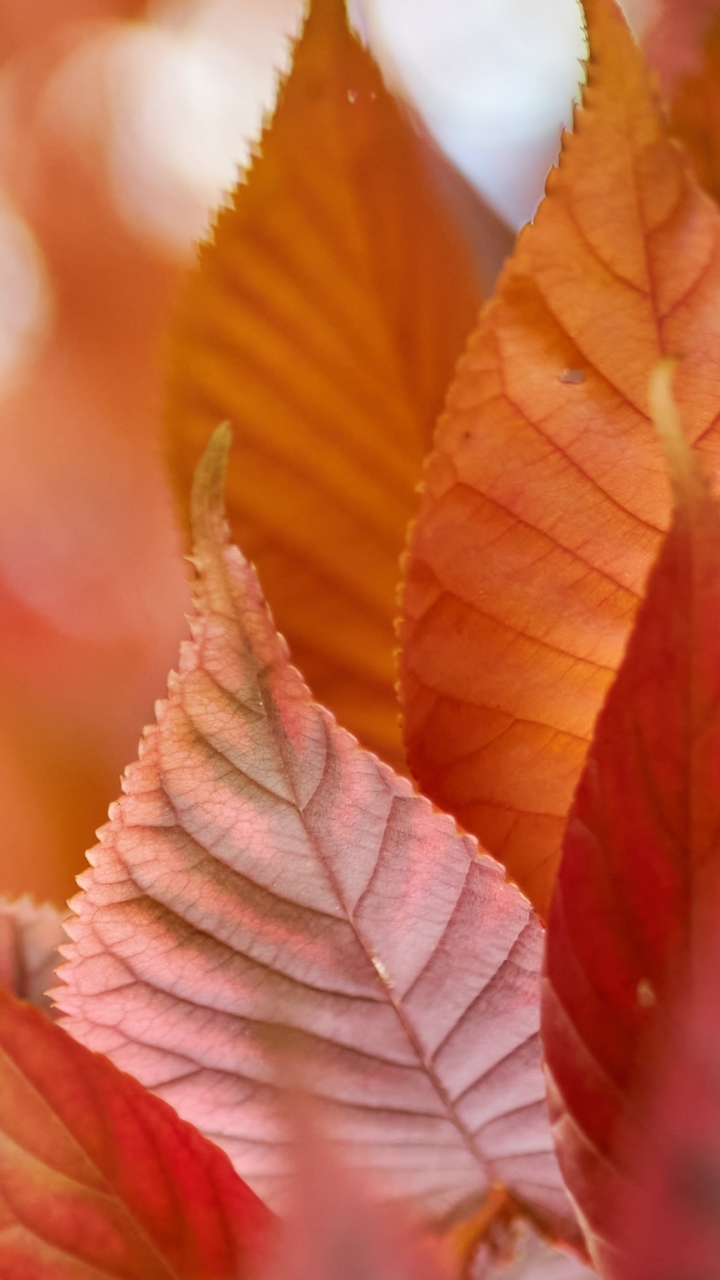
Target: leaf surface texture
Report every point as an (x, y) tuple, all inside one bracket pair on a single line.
[(545, 497), (265, 876), (324, 323)]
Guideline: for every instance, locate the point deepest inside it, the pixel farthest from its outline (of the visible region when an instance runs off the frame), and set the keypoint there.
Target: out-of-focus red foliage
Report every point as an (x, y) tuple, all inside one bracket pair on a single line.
[(91, 580)]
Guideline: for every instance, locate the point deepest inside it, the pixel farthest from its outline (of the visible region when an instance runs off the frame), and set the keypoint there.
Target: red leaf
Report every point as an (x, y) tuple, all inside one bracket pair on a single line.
[(100, 1179), (264, 871), (673, 1222), (641, 852)]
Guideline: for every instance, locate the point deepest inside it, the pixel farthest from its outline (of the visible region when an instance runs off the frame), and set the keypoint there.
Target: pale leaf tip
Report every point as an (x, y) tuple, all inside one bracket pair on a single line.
[(208, 491)]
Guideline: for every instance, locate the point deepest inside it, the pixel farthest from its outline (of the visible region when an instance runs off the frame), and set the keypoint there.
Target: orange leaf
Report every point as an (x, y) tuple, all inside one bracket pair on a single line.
[(546, 496), (324, 323)]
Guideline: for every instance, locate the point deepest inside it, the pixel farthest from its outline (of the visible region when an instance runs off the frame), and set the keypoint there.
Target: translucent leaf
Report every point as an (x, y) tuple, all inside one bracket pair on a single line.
[(263, 875), (546, 498), (324, 323)]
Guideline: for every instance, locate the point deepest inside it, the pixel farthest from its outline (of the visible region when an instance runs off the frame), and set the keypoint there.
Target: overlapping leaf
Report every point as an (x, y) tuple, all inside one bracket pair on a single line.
[(545, 498), (324, 323), (641, 858), (333, 1219), (264, 875), (99, 1179)]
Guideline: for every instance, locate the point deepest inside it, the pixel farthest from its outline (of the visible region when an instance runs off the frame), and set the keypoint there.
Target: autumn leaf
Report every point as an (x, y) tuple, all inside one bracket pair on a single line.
[(99, 1178), (265, 876), (641, 855), (30, 935), (545, 497), (324, 323), (671, 1222)]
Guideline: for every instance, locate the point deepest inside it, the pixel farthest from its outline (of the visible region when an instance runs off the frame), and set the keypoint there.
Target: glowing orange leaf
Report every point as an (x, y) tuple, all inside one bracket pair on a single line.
[(324, 323), (546, 495)]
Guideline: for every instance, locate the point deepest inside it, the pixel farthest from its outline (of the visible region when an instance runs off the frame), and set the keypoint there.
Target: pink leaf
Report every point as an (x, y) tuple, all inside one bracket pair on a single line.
[(99, 1180), (264, 872)]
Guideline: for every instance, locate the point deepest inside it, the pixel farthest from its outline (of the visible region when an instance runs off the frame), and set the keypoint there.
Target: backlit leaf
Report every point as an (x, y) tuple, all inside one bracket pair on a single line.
[(99, 1180), (263, 874), (641, 856), (324, 323), (545, 498)]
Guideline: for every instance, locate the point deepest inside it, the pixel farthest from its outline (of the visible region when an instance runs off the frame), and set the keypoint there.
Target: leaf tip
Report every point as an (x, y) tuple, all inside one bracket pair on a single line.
[(207, 503)]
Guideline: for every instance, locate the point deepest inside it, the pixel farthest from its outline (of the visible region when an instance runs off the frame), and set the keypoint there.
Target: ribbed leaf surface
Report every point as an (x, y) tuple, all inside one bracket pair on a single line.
[(262, 872), (324, 323), (546, 497)]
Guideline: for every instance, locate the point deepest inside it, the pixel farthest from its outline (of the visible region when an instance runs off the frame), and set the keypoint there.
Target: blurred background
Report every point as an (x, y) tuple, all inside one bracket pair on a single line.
[(121, 124)]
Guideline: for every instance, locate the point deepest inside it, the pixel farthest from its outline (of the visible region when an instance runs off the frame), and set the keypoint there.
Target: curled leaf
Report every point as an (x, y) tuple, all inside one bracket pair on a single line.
[(546, 497), (100, 1179), (324, 323), (264, 875)]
